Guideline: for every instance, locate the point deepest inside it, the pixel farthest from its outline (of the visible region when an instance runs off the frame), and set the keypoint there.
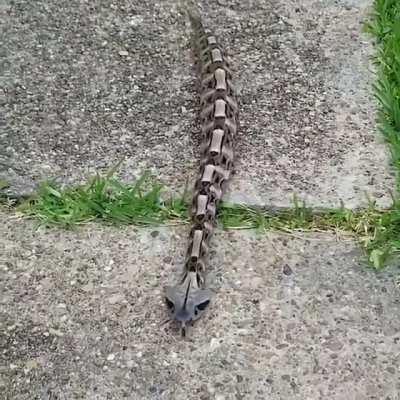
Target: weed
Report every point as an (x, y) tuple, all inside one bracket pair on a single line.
[(106, 199), (384, 25)]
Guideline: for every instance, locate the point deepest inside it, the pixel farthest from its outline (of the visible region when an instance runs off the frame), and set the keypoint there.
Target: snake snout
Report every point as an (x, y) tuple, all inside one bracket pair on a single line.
[(183, 315), (187, 308)]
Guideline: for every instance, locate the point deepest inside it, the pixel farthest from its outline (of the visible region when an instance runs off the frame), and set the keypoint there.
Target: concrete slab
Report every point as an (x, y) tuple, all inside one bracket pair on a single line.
[(293, 318), (87, 83), (307, 110)]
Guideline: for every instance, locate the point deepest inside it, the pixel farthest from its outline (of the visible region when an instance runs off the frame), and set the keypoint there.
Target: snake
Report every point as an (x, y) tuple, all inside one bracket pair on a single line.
[(189, 298)]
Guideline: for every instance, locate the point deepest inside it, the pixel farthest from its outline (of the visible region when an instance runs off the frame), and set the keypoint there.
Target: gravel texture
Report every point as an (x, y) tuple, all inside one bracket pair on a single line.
[(81, 317), (85, 84)]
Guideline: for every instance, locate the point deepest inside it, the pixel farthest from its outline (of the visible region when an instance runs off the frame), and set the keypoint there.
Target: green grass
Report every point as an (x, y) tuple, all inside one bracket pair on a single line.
[(378, 231), (385, 28), (104, 199), (3, 184)]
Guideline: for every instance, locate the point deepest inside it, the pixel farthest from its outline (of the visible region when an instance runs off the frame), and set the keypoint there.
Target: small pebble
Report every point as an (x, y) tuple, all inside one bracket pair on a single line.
[(111, 357), (214, 344), (136, 20), (123, 53), (287, 270), (56, 332), (116, 298), (31, 364)]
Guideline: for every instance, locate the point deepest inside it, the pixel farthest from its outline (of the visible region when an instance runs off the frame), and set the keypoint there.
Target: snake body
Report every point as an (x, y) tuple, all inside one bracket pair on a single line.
[(189, 298)]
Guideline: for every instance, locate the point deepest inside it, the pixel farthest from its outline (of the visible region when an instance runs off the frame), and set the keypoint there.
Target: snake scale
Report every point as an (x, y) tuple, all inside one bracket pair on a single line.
[(189, 298)]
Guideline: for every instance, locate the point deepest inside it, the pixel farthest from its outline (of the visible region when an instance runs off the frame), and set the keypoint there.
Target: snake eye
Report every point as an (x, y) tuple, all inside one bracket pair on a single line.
[(202, 306), (170, 304)]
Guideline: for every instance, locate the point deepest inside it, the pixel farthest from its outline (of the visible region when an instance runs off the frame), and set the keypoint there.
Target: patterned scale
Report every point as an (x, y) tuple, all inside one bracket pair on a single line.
[(188, 299)]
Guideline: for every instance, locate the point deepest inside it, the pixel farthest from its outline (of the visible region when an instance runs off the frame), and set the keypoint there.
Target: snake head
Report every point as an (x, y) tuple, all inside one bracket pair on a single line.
[(186, 303)]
